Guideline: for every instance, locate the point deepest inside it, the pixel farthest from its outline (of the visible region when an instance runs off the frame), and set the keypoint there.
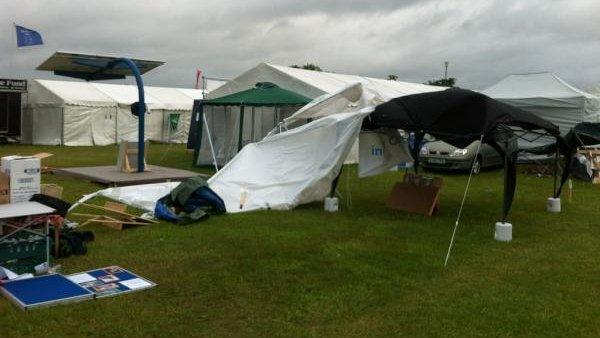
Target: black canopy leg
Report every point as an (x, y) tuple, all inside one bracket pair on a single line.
[(334, 184)]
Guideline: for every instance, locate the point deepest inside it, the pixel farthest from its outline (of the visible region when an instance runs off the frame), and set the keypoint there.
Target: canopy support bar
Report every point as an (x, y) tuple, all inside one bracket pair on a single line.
[(141, 107)]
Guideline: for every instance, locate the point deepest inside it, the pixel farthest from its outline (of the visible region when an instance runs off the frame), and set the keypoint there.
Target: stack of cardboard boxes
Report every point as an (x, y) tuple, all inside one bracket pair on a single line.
[(19, 178)]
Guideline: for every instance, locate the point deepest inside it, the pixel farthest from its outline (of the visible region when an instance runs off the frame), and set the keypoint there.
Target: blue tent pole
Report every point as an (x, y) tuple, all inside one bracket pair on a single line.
[(141, 109)]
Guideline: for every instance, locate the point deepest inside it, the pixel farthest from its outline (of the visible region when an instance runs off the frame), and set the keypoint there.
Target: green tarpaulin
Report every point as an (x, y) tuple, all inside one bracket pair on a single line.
[(265, 94)]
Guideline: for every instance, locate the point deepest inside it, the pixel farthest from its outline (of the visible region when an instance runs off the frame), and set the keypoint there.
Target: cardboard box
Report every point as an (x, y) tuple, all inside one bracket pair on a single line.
[(24, 177)]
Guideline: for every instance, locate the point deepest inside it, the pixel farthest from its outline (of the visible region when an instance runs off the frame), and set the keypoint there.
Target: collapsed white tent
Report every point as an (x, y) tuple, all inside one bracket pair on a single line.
[(86, 113), (288, 169), (312, 84), (549, 97)]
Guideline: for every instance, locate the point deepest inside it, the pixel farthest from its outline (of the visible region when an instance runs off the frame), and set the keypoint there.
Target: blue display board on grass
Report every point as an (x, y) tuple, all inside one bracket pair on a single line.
[(110, 281), (44, 291)]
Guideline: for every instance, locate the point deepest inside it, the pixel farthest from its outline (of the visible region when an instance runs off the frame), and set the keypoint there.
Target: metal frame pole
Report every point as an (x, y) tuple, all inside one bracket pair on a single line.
[(141, 110)]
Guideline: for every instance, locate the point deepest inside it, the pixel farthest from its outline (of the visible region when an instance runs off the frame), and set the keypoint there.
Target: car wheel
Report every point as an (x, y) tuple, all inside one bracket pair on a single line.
[(477, 165)]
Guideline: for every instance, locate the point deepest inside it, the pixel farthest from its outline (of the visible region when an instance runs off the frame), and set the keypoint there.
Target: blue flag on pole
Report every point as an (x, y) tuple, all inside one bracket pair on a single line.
[(27, 37)]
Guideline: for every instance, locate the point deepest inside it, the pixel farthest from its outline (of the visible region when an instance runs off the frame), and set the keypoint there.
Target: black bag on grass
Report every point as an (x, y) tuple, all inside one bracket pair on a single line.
[(61, 207)]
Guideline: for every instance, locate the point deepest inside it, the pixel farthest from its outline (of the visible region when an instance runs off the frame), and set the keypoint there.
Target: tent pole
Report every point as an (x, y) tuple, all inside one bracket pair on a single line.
[(252, 129), (62, 129), (556, 158), (335, 183), (241, 133), (212, 149), (116, 125)]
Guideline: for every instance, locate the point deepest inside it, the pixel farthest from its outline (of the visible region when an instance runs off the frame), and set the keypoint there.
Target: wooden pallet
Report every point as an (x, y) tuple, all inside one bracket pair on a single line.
[(115, 216)]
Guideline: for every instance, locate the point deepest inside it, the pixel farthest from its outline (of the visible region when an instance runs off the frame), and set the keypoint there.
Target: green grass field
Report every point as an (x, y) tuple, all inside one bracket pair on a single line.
[(364, 271)]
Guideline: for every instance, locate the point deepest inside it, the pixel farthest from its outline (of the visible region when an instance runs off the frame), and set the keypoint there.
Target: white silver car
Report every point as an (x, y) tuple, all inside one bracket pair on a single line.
[(441, 155)]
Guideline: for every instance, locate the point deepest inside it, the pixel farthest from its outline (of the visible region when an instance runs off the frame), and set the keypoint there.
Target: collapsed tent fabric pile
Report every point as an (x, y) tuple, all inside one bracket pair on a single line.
[(191, 201)]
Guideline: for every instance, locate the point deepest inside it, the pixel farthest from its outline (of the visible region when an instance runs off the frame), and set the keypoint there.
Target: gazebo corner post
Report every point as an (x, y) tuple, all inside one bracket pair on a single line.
[(503, 229), (553, 204)]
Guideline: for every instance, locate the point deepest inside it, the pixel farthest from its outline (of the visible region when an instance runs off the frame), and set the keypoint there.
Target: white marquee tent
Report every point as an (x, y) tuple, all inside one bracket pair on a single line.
[(88, 113), (309, 83), (549, 97)]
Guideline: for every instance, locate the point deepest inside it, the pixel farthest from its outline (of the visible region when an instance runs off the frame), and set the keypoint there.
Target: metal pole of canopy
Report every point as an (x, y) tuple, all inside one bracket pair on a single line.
[(556, 164), (141, 110)]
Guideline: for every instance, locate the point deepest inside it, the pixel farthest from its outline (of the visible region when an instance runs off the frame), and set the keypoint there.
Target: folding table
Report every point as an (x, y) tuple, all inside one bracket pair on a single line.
[(23, 216)]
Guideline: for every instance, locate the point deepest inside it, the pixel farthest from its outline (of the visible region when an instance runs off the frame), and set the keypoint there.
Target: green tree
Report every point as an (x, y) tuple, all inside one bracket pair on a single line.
[(309, 66), (392, 77), (447, 82)]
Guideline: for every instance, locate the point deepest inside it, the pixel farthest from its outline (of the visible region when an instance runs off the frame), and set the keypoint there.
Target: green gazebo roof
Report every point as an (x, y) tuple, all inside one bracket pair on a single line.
[(263, 94)]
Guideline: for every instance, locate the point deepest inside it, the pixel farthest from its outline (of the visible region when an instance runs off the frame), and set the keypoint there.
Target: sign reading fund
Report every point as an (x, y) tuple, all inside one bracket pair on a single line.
[(13, 85)]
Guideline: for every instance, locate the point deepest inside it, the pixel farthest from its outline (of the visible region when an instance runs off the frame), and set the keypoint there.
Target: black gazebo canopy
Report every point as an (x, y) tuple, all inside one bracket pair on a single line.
[(459, 117)]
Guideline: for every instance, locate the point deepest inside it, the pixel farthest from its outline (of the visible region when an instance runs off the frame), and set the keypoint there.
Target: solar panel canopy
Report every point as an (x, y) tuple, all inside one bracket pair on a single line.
[(93, 67)]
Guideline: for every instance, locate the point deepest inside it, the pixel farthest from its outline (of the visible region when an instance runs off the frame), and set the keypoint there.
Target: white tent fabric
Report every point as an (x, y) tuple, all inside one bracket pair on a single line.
[(549, 97), (85, 113), (291, 168), (143, 196), (594, 90), (312, 84)]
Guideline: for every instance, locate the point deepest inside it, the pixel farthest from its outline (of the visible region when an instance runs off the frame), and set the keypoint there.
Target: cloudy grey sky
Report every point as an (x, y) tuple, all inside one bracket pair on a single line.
[(483, 40)]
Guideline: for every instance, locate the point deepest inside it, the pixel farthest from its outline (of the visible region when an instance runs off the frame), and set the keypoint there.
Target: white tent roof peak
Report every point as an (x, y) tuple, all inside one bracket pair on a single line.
[(532, 85), (313, 84), (94, 94), (71, 93)]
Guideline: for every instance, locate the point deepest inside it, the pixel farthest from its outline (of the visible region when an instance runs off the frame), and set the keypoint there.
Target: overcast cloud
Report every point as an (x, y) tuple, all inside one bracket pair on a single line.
[(483, 40)]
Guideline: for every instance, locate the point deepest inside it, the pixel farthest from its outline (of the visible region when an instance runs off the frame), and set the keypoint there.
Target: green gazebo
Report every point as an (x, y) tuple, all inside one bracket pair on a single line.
[(219, 117)]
